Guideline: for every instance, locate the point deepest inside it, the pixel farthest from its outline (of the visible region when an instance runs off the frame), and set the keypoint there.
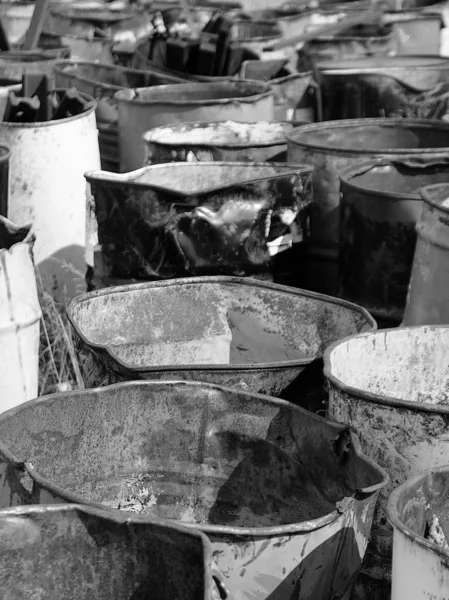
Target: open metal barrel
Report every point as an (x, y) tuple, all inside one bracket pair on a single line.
[(392, 386), (224, 330), (285, 497), (419, 512)]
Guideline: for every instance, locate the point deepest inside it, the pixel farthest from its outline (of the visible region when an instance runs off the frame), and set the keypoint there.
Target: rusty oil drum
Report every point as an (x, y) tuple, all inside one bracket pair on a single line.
[(380, 206), (120, 349), (391, 387), (390, 86), (335, 145), (141, 109), (420, 560), (285, 497)]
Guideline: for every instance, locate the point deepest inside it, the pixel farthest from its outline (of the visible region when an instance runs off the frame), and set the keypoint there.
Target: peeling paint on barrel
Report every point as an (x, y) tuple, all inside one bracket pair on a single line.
[(313, 556), (402, 430)]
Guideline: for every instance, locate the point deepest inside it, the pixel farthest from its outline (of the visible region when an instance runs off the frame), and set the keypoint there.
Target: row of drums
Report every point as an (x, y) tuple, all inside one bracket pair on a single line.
[(277, 500)]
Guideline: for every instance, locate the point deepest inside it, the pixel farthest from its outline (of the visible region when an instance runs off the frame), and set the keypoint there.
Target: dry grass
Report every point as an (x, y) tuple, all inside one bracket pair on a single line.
[(58, 366)]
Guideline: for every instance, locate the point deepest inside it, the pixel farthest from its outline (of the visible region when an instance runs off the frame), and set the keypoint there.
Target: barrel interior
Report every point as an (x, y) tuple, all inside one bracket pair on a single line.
[(400, 179), (190, 178), (194, 454), (199, 92), (265, 326), (417, 502), (371, 137), (227, 133), (405, 364)]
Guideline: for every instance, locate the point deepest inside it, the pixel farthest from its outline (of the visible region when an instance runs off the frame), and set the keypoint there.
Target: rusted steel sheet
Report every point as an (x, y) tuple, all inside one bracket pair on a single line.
[(114, 328)]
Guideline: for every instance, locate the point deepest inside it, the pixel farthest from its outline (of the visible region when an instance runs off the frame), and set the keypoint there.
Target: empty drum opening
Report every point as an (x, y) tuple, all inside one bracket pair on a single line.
[(221, 134), (365, 135), (199, 454), (189, 178), (407, 364), (413, 506), (395, 180)]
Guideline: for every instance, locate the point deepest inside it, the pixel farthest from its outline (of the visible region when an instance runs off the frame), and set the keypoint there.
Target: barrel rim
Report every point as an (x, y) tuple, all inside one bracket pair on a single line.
[(294, 137), (304, 527), (329, 69), (223, 280), (44, 124), (265, 91), (424, 14), (429, 200), (395, 520), (129, 178), (224, 145), (362, 167), (376, 398), (61, 64)]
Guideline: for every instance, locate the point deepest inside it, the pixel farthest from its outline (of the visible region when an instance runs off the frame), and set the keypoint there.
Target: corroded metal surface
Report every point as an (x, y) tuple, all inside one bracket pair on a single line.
[(380, 206), (285, 497), (57, 552), (334, 145), (427, 300), (420, 566), (399, 409), (208, 218), (307, 321), (141, 109)]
